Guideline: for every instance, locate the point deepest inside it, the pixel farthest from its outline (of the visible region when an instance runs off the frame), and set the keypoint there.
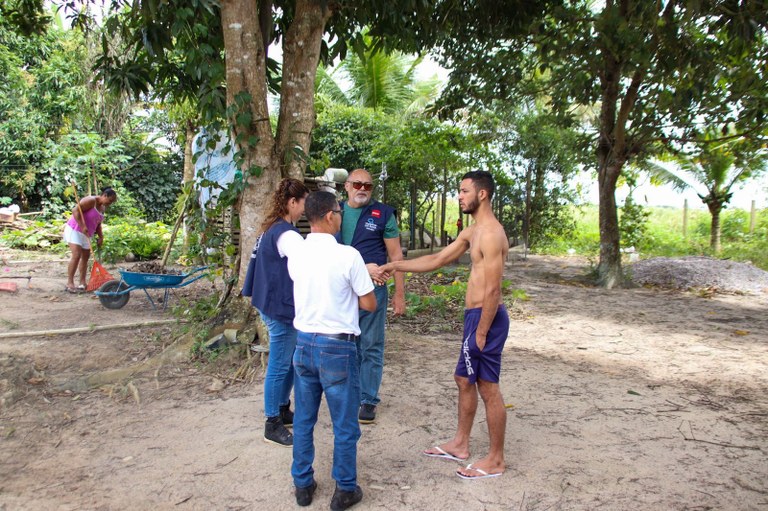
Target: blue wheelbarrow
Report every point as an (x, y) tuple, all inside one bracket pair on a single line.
[(114, 294)]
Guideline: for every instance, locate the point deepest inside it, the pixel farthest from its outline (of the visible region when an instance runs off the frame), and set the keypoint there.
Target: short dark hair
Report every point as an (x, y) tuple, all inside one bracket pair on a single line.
[(109, 192), (482, 179), (318, 204)]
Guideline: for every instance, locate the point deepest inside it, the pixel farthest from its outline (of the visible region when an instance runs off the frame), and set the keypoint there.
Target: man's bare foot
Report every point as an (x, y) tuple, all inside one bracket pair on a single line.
[(448, 451), (482, 469)]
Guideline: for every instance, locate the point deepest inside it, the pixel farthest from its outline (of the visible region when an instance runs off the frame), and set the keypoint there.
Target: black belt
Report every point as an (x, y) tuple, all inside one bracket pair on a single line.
[(340, 337)]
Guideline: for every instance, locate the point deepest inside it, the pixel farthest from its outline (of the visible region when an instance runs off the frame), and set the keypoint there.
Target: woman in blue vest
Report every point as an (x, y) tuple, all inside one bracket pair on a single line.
[(271, 291)]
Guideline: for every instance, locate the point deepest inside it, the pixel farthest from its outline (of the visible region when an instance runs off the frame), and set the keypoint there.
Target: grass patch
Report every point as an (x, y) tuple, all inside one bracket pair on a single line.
[(665, 236)]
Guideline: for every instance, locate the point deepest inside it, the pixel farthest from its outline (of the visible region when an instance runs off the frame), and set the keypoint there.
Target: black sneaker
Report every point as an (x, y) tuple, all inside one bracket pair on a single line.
[(286, 415), (367, 414), (304, 495), (275, 433), (345, 499)]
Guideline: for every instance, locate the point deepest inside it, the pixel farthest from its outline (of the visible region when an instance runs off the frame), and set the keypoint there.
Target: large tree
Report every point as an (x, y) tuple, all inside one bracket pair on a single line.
[(652, 71), (180, 45)]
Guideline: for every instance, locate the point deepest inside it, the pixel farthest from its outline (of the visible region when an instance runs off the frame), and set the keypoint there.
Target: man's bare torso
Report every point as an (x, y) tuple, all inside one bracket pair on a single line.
[(488, 245)]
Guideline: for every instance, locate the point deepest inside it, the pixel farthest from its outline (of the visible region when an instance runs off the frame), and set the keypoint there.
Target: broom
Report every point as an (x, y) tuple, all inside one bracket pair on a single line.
[(99, 274)]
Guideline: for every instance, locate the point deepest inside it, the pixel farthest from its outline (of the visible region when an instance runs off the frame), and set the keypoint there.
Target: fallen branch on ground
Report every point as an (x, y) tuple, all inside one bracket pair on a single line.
[(175, 352), (94, 328), (694, 439)]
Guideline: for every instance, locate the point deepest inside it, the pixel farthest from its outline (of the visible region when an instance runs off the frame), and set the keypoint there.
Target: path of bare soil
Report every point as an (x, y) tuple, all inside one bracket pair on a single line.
[(621, 399)]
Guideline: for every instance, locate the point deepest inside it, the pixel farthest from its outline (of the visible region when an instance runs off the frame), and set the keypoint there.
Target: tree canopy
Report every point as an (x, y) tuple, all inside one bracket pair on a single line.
[(650, 74)]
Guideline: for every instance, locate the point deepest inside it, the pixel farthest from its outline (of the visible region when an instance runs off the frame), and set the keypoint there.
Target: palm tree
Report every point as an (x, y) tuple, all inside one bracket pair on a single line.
[(327, 89), (717, 165), (381, 81)]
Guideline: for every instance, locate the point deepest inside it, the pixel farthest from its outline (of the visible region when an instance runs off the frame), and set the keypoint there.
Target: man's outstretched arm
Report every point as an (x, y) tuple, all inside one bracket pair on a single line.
[(432, 261)]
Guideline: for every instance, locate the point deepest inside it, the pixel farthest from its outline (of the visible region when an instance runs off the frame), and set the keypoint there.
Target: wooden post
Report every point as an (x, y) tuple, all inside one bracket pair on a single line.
[(685, 218), (752, 217)]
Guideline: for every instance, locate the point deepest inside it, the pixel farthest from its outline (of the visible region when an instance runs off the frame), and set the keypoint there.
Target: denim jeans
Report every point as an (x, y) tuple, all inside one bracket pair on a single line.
[(329, 366), (370, 348), (279, 379)]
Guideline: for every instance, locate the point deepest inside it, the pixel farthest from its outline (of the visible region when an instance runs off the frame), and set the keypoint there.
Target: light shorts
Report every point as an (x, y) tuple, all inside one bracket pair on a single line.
[(76, 237), (486, 364)]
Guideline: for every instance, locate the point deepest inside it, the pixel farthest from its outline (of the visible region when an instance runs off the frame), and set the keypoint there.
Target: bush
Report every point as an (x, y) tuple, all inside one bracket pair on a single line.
[(145, 240), (37, 236)]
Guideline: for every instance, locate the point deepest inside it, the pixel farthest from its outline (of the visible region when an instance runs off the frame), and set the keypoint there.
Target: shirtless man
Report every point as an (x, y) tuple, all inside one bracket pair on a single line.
[(486, 325)]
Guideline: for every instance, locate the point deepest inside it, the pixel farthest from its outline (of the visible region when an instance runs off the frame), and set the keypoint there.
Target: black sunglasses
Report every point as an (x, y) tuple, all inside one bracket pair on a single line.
[(357, 185)]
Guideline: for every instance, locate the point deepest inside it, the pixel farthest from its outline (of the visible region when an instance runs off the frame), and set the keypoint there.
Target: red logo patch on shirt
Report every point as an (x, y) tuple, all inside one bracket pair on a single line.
[(376, 213)]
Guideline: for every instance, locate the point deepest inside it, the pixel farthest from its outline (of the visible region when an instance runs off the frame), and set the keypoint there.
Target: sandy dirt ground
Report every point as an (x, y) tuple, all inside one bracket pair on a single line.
[(622, 399)]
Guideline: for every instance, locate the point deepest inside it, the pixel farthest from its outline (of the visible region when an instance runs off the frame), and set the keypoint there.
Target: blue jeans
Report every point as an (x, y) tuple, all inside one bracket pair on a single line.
[(326, 365), (279, 379), (370, 348)]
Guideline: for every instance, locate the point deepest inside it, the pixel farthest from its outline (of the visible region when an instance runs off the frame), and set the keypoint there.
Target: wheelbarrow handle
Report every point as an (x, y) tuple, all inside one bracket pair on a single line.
[(198, 269)]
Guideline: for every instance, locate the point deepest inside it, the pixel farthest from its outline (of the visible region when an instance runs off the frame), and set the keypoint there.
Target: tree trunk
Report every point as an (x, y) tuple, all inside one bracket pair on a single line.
[(714, 230), (412, 217), (189, 171), (611, 156), (609, 268), (189, 166), (246, 73), (528, 200), (443, 196), (301, 54)]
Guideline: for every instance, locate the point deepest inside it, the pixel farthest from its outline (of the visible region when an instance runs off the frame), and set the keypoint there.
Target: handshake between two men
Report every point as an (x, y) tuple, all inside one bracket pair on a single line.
[(380, 274)]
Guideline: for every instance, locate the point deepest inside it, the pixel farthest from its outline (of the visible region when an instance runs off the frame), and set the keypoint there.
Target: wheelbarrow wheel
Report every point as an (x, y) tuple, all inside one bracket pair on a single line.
[(112, 301)]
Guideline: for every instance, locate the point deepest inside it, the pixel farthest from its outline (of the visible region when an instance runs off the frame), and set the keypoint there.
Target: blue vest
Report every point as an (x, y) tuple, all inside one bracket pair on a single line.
[(267, 281), (368, 238)]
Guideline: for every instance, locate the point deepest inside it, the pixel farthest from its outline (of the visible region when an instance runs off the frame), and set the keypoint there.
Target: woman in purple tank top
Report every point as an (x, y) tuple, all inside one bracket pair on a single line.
[(82, 225)]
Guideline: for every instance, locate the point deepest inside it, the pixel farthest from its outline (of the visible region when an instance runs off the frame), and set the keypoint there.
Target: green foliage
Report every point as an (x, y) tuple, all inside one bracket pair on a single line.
[(583, 240), (153, 180), (131, 235), (633, 223), (385, 81), (717, 166), (542, 157), (82, 159), (196, 314), (56, 128), (664, 235), (645, 76), (26, 16), (42, 94), (146, 240), (344, 137), (443, 301), (516, 294), (425, 156), (37, 236)]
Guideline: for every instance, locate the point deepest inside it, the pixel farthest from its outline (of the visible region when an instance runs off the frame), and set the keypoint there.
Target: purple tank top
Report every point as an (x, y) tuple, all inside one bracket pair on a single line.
[(93, 218)]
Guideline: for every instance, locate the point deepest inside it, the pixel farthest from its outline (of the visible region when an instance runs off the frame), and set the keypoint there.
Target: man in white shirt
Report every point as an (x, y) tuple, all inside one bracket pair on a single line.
[(330, 284)]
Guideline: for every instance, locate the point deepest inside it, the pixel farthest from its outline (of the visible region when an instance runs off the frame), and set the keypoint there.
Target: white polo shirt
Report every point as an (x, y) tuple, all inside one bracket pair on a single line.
[(327, 278)]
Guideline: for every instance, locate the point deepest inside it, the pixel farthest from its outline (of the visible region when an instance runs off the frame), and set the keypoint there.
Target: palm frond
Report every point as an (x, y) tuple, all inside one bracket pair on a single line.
[(661, 174)]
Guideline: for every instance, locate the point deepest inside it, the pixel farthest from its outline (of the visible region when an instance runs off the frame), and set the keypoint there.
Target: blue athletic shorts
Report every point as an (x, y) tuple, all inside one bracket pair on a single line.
[(486, 364)]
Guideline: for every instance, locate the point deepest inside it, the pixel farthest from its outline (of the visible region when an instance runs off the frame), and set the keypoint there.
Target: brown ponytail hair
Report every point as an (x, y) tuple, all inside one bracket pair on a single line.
[(288, 189)]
